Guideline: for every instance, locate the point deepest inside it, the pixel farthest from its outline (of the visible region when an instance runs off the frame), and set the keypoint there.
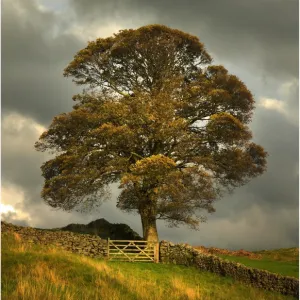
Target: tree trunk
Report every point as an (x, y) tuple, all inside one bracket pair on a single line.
[(149, 226)]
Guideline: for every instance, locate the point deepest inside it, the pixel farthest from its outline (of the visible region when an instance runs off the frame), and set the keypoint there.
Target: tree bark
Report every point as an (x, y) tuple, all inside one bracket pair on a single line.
[(149, 226)]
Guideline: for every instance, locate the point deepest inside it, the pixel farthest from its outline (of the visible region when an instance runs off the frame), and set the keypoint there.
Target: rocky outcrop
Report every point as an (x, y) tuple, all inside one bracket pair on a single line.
[(104, 230)]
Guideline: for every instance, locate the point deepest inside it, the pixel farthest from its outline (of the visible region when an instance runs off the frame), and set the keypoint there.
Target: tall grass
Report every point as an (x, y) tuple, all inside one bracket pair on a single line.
[(35, 273)]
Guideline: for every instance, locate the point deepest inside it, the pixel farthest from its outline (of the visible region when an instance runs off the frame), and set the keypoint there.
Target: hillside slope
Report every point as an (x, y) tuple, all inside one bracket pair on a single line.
[(30, 272)]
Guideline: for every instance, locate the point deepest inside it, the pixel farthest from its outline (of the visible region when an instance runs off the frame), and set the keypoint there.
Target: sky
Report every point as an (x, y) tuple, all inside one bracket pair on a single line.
[(256, 40)]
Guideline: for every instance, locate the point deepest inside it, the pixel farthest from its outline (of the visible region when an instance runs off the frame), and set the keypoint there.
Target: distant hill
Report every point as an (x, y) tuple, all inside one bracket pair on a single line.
[(104, 230)]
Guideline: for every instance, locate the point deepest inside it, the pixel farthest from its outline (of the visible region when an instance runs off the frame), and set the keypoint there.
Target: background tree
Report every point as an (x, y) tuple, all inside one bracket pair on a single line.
[(156, 117)]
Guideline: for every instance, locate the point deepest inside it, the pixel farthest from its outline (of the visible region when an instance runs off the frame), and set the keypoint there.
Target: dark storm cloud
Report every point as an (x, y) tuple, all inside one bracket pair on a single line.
[(262, 31), (258, 41), (20, 162), (279, 186), (33, 61)]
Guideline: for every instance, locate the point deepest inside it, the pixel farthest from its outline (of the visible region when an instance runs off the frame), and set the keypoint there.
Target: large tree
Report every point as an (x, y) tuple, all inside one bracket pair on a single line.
[(156, 117)]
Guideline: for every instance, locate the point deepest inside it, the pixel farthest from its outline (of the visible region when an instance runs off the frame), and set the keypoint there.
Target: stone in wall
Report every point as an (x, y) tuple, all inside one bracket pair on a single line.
[(86, 244)]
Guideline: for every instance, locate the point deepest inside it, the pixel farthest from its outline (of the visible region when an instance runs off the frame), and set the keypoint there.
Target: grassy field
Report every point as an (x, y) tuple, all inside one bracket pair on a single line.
[(281, 261), (285, 254), (33, 272)]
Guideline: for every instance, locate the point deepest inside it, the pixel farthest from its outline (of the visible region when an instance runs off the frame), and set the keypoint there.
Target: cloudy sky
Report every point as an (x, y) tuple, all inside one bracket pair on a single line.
[(256, 40)]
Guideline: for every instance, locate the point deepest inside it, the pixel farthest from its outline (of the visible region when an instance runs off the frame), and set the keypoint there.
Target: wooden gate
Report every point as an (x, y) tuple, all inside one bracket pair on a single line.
[(131, 251)]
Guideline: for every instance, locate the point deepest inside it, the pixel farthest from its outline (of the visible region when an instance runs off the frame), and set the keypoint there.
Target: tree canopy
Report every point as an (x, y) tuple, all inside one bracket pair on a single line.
[(159, 119)]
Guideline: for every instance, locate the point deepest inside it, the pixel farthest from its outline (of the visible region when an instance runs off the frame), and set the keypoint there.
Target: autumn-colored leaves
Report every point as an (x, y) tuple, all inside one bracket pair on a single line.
[(157, 119)]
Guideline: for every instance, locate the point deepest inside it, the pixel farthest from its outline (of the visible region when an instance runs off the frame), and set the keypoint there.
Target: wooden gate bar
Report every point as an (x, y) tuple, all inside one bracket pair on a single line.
[(128, 250)]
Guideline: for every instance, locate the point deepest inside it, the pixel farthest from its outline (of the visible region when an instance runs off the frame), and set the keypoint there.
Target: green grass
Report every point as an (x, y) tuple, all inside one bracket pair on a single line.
[(32, 272), (281, 261), (285, 254)]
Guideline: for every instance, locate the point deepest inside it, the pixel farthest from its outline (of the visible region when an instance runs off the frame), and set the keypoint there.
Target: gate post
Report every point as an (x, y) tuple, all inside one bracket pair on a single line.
[(156, 253), (108, 248)]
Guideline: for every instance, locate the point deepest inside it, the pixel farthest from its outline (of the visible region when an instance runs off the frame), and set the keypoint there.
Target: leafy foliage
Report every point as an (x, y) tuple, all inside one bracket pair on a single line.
[(156, 118)]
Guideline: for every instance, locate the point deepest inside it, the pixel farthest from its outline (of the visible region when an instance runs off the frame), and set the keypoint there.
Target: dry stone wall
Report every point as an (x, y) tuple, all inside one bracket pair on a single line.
[(183, 254), (86, 244)]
